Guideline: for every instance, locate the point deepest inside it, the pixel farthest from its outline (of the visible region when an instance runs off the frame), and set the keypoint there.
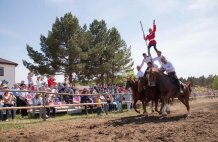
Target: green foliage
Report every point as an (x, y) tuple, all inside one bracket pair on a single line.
[(215, 83), (200, 81), (96, 53)]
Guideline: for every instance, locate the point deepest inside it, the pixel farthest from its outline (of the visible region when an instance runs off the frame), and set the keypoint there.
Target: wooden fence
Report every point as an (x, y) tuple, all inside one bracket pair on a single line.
[(63, 105)]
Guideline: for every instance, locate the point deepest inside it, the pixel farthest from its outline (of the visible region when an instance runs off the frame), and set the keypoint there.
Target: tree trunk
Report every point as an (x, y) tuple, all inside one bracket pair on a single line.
[(102, 79), (70, 77), (107, 78)]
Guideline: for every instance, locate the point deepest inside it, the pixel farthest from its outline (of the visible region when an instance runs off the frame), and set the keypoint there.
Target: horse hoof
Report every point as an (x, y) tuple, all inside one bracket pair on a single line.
[(188, 114), (146, 114), (162, 117)]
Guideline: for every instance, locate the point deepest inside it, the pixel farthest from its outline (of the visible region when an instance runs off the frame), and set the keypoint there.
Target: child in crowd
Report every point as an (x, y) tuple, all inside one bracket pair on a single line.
[(98, 100)]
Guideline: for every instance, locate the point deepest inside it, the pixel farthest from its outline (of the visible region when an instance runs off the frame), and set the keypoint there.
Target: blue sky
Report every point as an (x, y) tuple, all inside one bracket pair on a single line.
[(187, 30)]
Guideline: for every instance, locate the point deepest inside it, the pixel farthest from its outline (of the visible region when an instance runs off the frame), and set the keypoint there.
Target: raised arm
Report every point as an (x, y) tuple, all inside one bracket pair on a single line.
[(142, 64), (154, 26)]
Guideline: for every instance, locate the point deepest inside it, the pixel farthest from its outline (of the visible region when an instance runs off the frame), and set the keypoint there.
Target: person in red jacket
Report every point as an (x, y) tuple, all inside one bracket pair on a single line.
[(51, 80), (151, 39)]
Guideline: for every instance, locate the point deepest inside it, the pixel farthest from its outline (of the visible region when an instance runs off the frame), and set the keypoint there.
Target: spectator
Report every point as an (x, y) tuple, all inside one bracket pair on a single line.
[(118, 102), (15, 88), (37, 101), (38, 84), (128, 98), (22, 100), (66, 79), (98, 100), (30, 77), (1, 105), (51, 80), (49, 101), (9, 99)]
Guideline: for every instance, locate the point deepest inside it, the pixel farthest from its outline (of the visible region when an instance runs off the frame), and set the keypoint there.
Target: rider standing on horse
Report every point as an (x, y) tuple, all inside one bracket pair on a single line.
[(139, 73), (151, 39), (169, 68), (146, 59), (158, 58)]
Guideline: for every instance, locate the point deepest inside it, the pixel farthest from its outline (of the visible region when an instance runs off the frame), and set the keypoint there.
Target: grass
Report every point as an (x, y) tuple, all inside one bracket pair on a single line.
[(20, 123)]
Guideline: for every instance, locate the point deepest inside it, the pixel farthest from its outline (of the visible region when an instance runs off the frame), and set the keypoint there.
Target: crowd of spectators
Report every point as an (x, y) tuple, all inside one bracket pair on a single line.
[(106, 93)]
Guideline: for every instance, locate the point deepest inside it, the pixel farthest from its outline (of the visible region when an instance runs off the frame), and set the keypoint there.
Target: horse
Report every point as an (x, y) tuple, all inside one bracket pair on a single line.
[(152, 93), (133, 84), (169, 89)]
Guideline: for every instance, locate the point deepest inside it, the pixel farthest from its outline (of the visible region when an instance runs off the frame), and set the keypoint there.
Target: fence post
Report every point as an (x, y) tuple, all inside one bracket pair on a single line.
[(44, 111)]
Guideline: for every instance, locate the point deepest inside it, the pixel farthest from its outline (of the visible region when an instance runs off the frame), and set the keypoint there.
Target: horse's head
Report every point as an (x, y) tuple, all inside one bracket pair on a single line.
[(129, 82), (151, 77), (153, 70)]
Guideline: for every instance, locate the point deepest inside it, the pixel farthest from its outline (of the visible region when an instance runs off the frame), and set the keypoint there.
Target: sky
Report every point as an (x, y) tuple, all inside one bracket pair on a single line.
[(187, 30)]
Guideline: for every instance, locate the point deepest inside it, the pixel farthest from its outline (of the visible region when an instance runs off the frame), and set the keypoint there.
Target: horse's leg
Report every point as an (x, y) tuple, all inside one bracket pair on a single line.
[(164, 105), (186, 100), (152, 106), (134, 106), (161, 108), (145, 103), (188, 106), (186, 103), (156, 106), (168, 107)]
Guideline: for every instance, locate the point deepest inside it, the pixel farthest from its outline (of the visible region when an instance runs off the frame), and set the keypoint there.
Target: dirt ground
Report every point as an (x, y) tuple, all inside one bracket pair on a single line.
[(201, 126)]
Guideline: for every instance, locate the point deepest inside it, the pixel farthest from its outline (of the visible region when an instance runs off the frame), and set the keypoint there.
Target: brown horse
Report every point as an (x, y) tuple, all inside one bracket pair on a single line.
[(152, 93), (169, 89), (133, 84)]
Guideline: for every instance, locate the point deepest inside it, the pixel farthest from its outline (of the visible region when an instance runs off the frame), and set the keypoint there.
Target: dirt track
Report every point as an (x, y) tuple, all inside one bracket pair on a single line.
[(202, 125)]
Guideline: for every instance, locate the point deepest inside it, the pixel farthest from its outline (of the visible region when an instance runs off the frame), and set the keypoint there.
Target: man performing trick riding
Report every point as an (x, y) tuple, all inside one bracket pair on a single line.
[(169, 68), (151, 39), (146, 59)]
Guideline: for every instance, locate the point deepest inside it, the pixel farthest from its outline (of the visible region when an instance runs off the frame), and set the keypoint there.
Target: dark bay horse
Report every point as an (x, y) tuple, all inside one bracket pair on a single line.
[(152, 93), (133, 84), (169, 89)]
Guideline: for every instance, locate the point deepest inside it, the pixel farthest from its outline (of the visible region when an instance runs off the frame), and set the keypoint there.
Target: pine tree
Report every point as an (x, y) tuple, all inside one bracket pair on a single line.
[(62, 49), (118, 55), (108, 53)]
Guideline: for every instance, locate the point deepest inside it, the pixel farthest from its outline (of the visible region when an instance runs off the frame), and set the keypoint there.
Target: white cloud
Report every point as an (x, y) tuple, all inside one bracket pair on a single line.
[(203, 5)]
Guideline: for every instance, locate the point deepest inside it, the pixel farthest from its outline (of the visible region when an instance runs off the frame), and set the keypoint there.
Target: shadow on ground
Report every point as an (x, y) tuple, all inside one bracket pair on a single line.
[(141, 119)]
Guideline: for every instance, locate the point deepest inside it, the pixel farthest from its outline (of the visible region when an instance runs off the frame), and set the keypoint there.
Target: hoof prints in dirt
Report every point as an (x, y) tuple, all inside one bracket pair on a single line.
[(202, 125)]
